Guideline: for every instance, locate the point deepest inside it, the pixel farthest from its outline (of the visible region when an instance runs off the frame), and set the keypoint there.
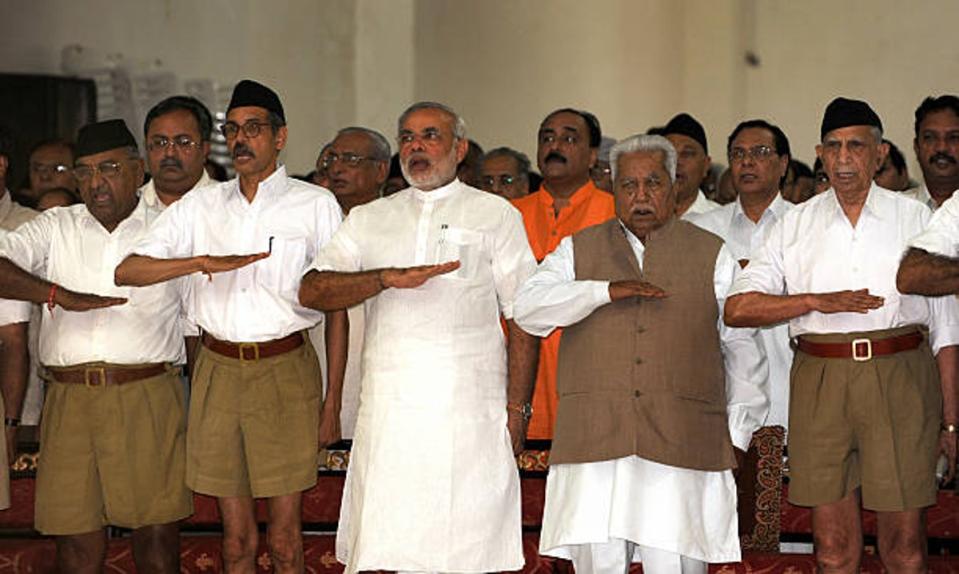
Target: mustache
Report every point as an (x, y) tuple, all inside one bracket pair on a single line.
[(171, 162), (554, 155), (242, 149), (941, 155)]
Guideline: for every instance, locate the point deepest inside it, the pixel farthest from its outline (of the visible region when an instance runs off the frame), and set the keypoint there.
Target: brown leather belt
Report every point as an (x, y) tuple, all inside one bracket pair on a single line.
[(861, 349), (252, 351), (105, 375)]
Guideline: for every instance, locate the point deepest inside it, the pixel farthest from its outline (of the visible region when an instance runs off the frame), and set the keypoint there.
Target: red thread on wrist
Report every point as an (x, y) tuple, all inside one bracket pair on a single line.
[(53, 293)]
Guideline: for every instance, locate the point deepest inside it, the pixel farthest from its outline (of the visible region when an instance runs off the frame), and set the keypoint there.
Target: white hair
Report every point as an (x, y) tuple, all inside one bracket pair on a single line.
[(645, 143), (459, 125), (381, 147)]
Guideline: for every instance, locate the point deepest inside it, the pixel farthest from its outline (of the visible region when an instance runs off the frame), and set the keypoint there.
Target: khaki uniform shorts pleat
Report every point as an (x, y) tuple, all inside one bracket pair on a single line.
[(112, 455), (253, 427), (871, 424)]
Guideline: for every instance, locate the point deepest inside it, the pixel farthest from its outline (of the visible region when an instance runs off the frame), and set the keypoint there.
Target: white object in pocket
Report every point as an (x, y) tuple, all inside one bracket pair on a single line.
[(459, 244)]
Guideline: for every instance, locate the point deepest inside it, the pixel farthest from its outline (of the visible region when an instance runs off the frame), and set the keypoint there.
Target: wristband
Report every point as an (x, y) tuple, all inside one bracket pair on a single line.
[(11, 422), (51, 296), (951, 427)]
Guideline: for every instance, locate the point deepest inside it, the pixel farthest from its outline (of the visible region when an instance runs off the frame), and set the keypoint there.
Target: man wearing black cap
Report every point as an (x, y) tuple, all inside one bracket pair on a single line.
[(113, 428), (869, 414), (689, 138), (255, 407)]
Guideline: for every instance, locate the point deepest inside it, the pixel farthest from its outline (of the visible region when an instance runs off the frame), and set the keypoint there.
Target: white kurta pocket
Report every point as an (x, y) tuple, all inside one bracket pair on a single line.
[(463, 245)]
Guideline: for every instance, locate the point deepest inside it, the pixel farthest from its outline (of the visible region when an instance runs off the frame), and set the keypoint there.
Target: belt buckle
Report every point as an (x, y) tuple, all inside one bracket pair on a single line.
[(256, 351), (102, 378), (855, 350)]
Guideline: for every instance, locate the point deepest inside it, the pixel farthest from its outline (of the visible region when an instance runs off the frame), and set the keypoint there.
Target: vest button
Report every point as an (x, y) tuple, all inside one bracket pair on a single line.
[(640, 329), (636, 394), (639, 361)]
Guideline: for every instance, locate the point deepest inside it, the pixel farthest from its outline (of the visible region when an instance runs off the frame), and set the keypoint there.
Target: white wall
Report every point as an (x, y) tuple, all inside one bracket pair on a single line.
[(504, 64)]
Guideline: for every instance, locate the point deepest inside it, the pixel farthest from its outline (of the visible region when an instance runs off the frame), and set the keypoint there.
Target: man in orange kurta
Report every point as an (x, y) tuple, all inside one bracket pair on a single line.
[(567, 202)]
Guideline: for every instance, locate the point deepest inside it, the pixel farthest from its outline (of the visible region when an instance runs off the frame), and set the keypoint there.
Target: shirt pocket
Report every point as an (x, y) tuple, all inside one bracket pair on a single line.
[(282, 270), (463, 245)]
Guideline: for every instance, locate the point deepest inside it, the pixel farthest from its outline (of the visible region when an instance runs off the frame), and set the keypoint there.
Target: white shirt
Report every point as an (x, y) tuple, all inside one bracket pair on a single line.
[(702, 204), (12, 311), (434, 381), (942, 234), (743, 237), (69, 247), (258, 302), (688, 512), (814, 249), (148, 191), (12, 214)]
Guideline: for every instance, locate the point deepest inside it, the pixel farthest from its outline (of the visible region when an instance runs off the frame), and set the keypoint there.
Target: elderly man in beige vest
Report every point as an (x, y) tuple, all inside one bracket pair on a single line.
[(654, 391)]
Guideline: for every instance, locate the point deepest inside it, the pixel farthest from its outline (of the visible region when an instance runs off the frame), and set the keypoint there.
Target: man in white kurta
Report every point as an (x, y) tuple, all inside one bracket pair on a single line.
[(604, 514), (758, 154), (432, 484)]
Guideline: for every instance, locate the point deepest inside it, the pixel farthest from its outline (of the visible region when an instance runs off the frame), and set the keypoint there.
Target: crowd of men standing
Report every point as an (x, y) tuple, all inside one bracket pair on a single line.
[(441, 305)]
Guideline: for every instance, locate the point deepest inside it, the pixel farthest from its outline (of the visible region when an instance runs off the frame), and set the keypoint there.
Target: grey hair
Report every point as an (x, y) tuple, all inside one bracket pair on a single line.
[(381, 146), (459, 125), (522, 162), (645, 143), (876, 133)]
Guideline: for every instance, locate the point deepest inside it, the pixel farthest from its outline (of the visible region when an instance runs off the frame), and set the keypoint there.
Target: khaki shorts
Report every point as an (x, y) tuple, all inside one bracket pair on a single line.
[(254, 424), (872, 424), (112, 455)]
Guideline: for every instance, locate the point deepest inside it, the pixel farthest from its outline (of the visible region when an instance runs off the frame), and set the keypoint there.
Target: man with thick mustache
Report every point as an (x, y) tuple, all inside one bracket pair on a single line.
[(568, 201), (432, 484), (655, 392), (689, 138), (113, 427), (758, 154), (937, 149), (868, 413), (255, 407)]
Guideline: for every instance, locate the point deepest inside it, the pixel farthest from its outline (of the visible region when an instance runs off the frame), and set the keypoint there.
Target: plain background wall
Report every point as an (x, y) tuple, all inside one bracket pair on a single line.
[(504, 64)]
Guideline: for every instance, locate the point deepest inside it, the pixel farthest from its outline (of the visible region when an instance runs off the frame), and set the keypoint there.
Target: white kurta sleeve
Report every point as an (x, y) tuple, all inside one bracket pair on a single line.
[(328, 218), (553, 298), (942, 234), (765, 272), (513, 262), (342, 252), (747, 374), (171, 235), (14, 312)]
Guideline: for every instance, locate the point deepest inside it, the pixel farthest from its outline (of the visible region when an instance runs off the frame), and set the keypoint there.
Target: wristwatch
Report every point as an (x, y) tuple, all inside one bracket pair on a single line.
[(525, 409)]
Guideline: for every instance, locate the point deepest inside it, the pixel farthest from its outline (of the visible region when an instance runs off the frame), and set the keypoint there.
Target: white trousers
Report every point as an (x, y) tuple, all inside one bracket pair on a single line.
[(615, 556)]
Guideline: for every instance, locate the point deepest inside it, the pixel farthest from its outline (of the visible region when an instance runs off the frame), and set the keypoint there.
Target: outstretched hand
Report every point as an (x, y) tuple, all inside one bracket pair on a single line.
[(73, 301), (858, 301), (625, 289), (410, 277), (210, 264)]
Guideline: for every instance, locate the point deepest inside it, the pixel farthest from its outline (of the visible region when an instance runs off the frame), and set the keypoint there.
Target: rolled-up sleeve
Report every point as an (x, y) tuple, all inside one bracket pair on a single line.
[(553, 298), (513, 261), (342, 252), (171, 234), (765, 272), (747, 380)]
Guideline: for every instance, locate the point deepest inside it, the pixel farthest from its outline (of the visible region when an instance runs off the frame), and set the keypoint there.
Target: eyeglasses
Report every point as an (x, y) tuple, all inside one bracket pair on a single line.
[(251, 129), (350, 159), (754, 153), (182, 143), (504, 180), (107, 169), (48, 169)]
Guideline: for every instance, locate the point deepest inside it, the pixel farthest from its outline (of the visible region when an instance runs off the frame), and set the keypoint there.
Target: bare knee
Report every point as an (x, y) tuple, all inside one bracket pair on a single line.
[(836, 551), (81, 552), (239, 546), (903, 551)]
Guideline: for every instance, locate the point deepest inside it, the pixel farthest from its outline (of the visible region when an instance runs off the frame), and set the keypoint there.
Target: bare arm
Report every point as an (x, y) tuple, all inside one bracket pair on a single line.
[(948, 361), (755, 309), (141, 270), (337, 336), (14, 371), (523, 359), (334, 290), (15, 283), (924, 273)]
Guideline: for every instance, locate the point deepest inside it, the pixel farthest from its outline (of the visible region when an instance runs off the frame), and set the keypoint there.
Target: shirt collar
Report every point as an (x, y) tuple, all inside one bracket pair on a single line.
[(274, 184), (149, 192), (438, 193), (877, 204), (136, 218), (775, 209)]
